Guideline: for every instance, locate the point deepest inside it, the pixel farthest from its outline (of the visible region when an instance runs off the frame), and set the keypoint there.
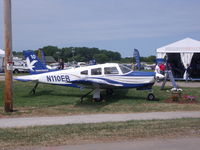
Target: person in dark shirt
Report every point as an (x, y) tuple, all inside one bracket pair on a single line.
[(61, 64)]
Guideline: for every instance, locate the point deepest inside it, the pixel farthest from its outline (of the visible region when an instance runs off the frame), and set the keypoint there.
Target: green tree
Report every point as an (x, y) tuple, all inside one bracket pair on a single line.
[(128, 60), (50, 50), (101, 58)]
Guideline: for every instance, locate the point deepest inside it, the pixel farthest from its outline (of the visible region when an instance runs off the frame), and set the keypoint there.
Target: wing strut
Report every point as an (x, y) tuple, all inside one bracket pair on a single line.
[(86, 95), (32, 92)]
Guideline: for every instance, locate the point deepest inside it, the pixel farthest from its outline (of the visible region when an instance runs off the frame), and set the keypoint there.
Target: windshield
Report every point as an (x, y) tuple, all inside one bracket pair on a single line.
[(111, 70), (124, 69)]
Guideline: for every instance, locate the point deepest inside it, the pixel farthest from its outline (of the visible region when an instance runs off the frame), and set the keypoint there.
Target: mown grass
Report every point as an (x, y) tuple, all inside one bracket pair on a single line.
[(58, 100), (102, 132)]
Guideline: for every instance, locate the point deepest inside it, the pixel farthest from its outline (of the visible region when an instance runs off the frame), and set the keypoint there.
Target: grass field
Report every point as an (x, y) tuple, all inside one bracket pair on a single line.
[(58, 100), (102, 132)]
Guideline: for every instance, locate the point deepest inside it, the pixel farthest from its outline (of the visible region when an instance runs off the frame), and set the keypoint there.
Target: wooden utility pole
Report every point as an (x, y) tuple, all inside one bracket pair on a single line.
[(8, 91)]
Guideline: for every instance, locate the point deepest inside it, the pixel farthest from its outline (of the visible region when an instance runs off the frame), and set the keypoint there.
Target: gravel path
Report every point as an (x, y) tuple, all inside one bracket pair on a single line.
[(93, 118), (191, 143)]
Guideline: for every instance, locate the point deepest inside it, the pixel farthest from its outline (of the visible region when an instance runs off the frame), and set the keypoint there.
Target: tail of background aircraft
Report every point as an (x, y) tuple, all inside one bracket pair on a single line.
[(34, 64), (41, 56)]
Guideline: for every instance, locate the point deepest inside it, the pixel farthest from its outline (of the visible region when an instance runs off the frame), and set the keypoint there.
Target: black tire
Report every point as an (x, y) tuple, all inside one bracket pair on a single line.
[(97, 99), (151, 97), (109, 92), (16, 71)]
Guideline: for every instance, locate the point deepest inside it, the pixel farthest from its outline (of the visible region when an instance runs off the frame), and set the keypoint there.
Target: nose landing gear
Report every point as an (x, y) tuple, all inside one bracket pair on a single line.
[(151, 97)]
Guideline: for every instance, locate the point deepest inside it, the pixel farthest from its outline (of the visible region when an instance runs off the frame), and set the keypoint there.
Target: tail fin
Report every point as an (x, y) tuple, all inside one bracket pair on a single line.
[(34, 64)]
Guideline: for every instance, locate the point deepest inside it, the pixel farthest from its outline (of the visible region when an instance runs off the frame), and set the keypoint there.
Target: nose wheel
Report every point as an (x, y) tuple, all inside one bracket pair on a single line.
[(151, 97)]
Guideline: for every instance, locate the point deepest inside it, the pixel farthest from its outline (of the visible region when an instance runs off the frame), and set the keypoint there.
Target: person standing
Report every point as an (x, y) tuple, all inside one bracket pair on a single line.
[(157, 69), (61, 64), (162, 68), (188, 72)]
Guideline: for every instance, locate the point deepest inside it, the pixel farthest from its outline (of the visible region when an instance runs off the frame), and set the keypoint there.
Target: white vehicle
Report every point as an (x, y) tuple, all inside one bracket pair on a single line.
[(19, 65), (104, 76), (81, 64), (18, 69)]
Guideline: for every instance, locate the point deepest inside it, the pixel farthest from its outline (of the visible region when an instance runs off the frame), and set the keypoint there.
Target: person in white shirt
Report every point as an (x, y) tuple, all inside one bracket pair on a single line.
[(157, 69)]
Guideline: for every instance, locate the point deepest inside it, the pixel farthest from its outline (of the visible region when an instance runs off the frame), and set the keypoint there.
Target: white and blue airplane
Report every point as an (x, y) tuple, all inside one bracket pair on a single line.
[(107, 76)]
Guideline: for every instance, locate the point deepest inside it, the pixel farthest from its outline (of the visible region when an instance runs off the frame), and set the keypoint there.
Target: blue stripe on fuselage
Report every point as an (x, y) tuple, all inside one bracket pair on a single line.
[(140, 73), (125, 85)]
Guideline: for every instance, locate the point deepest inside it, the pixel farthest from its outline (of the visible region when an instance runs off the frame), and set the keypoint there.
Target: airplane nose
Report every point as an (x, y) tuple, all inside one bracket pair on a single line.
[(159, 77)]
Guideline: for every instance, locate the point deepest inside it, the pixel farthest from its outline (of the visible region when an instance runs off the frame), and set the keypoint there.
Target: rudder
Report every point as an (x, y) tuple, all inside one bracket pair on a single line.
[(34, 64)]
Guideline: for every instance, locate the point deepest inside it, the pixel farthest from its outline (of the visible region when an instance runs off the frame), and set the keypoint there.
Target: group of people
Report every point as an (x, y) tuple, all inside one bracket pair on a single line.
[(162, 67)]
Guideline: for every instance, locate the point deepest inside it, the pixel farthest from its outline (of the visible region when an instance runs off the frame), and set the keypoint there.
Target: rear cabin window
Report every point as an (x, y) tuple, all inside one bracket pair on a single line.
[(85, 72), (96, 71), (111, 70)]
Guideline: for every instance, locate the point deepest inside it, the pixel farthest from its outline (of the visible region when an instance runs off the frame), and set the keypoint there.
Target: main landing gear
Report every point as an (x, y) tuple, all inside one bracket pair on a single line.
[(97, 97), (86, 95), (109, 92)]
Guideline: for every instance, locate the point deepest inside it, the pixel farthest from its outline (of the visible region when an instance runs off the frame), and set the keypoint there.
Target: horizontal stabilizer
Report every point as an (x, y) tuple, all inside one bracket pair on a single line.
[(26, 78)]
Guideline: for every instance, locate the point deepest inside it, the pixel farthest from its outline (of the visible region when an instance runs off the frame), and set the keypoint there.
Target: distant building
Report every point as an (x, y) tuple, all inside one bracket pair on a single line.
[(50, 59)]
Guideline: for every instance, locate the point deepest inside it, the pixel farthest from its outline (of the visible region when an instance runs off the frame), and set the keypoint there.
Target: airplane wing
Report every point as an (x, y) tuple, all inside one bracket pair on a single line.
[(26, 78), (102, 82)]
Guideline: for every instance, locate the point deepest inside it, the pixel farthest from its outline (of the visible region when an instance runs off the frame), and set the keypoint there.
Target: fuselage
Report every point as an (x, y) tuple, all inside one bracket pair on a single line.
[(104, 74)]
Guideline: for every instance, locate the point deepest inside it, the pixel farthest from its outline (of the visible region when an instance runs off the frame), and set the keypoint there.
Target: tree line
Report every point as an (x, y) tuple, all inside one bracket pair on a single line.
[(85, 54)]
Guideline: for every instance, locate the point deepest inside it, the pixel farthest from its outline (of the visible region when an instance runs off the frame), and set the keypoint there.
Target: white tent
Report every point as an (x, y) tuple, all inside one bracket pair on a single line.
[(2, 52), (2, 55), (186, 47)]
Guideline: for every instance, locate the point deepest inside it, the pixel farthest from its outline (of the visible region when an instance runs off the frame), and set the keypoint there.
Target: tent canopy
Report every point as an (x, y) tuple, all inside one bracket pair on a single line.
[(184, 45), (2, 52)]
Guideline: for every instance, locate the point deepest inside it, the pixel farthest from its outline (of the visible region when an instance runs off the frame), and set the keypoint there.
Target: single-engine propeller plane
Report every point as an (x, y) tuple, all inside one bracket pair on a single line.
[(107, 76)]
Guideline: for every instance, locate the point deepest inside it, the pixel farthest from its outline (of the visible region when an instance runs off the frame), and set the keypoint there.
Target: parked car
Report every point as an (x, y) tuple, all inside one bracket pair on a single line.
[(19, 69), (19, 65)]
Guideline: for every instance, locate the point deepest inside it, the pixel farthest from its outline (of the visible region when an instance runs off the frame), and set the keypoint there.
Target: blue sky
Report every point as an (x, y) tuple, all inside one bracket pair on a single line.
[(118, 25)]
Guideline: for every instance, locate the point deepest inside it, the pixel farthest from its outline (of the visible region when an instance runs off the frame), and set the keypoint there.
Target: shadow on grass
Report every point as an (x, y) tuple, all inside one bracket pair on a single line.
[(38, 93), (118, 95), (73, 97), (51, 93)]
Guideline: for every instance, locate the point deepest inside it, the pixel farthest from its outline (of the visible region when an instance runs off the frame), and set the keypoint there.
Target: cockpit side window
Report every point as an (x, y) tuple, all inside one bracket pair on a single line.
[(96, 71), (124, 69), (111, 70), (85, 72)]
